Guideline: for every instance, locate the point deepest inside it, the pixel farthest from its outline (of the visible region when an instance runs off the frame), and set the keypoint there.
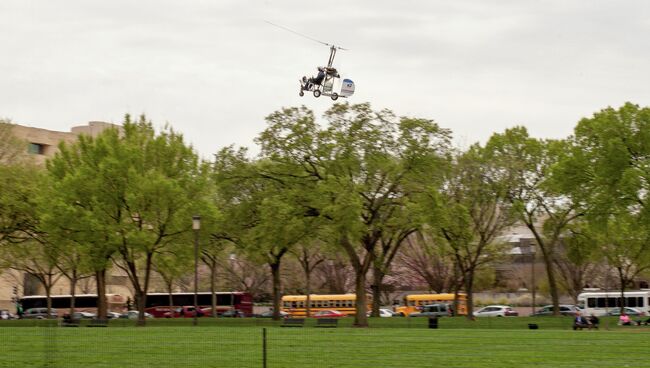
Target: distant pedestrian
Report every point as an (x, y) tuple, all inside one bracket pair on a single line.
[(624, 320), (19, 310)]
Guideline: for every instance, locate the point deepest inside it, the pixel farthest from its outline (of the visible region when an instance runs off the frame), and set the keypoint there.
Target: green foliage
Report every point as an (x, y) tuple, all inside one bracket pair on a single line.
[(470, 211), (614, 160), (18, 214), (359, 175), (127, 196)]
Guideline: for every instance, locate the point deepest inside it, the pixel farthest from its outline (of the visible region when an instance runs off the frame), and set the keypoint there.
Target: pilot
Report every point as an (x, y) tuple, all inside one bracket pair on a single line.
[(319, 78), (309, 82)]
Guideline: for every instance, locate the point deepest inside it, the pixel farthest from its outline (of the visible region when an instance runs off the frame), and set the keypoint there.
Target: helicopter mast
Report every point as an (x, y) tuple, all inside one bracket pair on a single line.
[(332, 54)]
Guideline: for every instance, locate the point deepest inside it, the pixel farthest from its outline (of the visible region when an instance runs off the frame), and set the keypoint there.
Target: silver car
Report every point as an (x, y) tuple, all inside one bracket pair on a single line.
[(496, 311), (565, 310), (39, 313)]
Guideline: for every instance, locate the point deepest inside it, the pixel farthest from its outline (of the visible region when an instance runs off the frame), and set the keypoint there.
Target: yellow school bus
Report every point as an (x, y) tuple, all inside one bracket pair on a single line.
[(414, 302), (296, 305)]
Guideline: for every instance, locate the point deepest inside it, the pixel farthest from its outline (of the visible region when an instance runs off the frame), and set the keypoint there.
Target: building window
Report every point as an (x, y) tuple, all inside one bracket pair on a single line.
[(36, 148)]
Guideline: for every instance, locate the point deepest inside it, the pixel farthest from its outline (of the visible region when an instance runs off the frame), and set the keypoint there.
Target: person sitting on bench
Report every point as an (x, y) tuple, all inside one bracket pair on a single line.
[(580, 322), (624, 320)]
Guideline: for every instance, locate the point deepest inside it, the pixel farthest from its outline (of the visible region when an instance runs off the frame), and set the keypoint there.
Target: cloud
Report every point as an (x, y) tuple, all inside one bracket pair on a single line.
[(214, 70)]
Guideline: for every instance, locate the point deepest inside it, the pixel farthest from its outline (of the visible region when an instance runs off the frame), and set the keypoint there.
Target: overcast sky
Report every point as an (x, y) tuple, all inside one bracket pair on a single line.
[(214, 69)]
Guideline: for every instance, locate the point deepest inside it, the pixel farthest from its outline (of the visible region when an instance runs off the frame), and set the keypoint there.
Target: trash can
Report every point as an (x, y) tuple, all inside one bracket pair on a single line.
[(433, 322)]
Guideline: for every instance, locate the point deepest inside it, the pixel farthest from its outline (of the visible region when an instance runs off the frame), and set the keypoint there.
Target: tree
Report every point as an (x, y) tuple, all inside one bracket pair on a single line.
[(356, 172), (472, 210), (425, 261), (310, 257), (129, 194), (625, 242), (173, 263), (25, 247), (271, 217), (579, 259), (243, 274), (612, 161), (18, 216), (335, 275), (546, 210), (212, 253)]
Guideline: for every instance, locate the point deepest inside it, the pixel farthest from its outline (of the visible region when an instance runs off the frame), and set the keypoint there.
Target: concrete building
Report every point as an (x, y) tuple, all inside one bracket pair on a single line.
[(42, 144)]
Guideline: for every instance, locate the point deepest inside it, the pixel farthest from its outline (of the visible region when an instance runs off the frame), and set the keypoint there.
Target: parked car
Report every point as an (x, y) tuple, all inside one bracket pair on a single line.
[(496, 311), (329, 314), (184, 312), (83, 315), (385, 313), (39, 313), (233, 313), (269, 314), (133, 314), (5, 314), (112, 315), (628, 310), (565, 310), (433, 310)]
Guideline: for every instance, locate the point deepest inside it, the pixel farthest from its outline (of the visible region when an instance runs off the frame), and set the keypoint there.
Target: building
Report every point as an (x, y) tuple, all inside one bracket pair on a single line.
[(42, 144)]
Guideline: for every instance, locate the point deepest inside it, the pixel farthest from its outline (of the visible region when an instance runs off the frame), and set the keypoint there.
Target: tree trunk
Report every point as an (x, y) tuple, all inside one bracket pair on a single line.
[(170, 294), (308, 291), (624, 281), (100, 279), (275, 272), (213, 287), (378, 278), (48, 296), (73, 287), (469, 289), (142, 302), (457, 284), (548, 263), (552, 283), (360, 318)]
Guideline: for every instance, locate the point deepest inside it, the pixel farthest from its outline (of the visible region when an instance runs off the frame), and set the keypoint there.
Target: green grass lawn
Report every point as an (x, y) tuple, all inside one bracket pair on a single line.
[(496, 342)]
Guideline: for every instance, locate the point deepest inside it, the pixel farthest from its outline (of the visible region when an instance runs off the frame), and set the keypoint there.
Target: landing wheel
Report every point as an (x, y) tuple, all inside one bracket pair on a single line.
[(335, 96), (301, 93), (316, 93)]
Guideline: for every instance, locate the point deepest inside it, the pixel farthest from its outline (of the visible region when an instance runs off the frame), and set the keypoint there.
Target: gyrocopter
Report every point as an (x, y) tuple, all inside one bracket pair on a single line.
[(326, 82)]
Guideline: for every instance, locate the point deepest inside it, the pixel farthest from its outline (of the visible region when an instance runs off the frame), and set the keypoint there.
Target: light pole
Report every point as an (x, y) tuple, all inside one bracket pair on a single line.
[(532, 275), (196, 226)]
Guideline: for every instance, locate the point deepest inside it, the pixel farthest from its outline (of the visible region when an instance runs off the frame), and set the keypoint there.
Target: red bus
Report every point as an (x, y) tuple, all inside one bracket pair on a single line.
[(158, 303)]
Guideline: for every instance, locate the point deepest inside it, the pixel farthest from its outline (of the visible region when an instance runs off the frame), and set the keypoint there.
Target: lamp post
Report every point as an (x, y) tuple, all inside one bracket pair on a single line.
[(532, 275), (196, 226)]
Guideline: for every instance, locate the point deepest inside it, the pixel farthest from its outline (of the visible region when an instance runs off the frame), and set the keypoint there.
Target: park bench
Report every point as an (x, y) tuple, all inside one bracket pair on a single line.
[(327, 322), (293, 322), (98, 322)]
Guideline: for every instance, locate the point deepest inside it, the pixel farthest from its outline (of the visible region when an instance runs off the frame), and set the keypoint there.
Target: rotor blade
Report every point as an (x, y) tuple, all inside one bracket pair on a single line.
[(302, 35)]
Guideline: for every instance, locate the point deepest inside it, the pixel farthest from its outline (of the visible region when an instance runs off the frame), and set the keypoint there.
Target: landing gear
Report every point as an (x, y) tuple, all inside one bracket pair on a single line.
[(301, 93), (317, 93), (334, 96)]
